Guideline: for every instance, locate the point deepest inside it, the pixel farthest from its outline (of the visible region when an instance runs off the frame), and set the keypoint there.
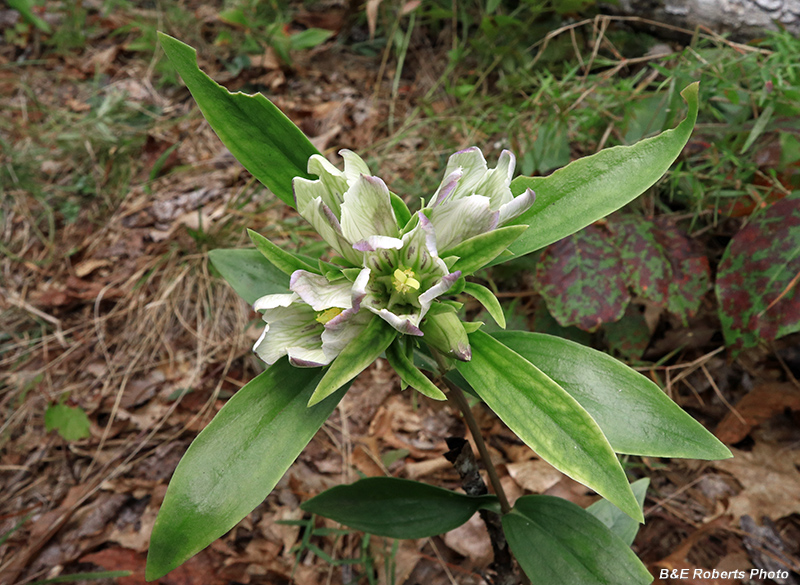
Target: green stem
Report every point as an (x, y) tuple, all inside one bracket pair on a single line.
[(461, 401)]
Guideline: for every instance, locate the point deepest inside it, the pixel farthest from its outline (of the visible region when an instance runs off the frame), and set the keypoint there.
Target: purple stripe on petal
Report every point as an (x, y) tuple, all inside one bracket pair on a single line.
[(334, 221), (430, 234), (446, 188)]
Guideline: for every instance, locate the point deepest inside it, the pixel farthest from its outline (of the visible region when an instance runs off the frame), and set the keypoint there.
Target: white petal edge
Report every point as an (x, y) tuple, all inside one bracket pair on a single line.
[(517, 206), (373, 243), (318, 292), (275, 300), (354, 165)]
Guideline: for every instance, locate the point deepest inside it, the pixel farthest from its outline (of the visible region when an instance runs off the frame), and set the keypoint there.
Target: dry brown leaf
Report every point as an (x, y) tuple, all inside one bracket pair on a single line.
[(770, 479), (417, 469), (372, 16), (758, 406), (471, 540), (535, 475), (366, 463)]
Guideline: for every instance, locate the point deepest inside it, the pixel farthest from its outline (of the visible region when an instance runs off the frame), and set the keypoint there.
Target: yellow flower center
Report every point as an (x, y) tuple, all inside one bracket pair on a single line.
[(328, 314), (404, 280)]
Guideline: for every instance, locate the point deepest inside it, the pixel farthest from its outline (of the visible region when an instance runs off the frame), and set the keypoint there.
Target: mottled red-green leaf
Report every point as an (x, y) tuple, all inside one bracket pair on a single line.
[(582, 279), (661, 264), (629, 336), (647, 266), (691, 275), (757, 281)]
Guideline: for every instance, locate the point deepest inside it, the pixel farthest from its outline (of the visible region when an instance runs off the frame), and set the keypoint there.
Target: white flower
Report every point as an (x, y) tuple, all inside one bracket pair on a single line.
[(473, 199), (314, 322), (349, 208), (405, 276)]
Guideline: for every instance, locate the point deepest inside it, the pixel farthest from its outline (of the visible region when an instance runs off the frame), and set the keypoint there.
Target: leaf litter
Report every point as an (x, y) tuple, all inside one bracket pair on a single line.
[(109, 304)]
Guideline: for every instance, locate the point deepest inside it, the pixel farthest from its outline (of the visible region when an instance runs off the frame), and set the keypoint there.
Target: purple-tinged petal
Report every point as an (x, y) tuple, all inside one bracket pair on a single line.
[(446, 188), (441, 287), (473, 167), (402, 323), (299, 362), (324, 221), (495, 183)]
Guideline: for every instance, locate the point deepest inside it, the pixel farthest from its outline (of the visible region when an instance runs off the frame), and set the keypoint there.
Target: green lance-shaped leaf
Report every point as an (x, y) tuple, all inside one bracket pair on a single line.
[(485, 297), (250, 274), (478, 251), (635, 415), (284, 261), (235, 462), (592, 187), (619, 523), (547, 419), (397, 508), (559, 543), (355, 357), (256, 132), (409, 373)]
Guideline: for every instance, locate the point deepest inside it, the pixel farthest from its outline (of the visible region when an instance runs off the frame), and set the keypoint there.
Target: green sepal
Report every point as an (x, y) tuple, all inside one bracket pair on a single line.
[(547, 419), (478, 251), (250, 274), (472, 326), (351, 273), (450, 261), (256, 132), (355, 357), (409, 374), (339, 262), (234, 463), (557, 542), (284, 261), (397, 508), (401, 212), (485, 297), (615, 519), (594, 186)]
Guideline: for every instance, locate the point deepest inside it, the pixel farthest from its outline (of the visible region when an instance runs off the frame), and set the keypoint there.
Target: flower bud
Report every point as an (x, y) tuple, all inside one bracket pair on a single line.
[(444, 332)]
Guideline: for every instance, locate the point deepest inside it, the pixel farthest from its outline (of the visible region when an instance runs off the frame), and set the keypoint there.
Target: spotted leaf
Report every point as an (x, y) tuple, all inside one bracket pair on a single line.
[(583, 280), (758, 276)]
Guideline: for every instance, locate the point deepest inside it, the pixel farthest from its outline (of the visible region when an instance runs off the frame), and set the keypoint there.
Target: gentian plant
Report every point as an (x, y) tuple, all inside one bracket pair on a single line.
[(390, 288)]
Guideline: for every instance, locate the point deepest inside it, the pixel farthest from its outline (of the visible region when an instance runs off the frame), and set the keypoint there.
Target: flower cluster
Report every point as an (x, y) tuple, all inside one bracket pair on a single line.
[(395, 272)]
